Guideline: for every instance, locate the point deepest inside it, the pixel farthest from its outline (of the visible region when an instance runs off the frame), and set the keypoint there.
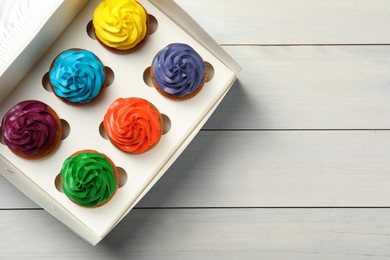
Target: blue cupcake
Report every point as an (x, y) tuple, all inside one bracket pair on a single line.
[(178, 72), (77, 77)]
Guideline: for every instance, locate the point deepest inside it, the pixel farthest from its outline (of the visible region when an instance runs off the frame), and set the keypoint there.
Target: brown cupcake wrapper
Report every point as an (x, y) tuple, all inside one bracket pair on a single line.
[(172, 97)]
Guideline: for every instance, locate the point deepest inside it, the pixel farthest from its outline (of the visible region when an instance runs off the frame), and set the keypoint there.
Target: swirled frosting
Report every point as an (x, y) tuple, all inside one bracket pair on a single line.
[(178, 69), (29, 128), (132, 125), (77, 75), (88, 179), (120, 24)]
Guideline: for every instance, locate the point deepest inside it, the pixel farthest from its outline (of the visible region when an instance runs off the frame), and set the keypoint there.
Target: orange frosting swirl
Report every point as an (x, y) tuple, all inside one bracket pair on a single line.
[(133, 125)]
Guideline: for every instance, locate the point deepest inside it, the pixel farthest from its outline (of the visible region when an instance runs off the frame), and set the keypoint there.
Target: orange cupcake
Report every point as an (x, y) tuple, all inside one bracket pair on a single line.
[(133, 125)]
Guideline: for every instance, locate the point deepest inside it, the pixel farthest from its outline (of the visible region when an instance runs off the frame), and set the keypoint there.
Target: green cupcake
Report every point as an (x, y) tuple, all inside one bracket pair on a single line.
[(89, 178)]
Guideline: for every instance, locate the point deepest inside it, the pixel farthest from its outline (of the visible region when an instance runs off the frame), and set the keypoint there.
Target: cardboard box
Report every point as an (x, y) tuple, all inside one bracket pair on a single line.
[(184, 119)]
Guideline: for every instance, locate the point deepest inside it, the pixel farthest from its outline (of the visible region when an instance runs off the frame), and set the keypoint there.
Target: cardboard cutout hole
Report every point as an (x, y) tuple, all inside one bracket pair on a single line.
[(58, 183), (1, 138), (46, 82), (90, 30), (153, 24), (147, 79), (110, 76), (166, 123), (209, 71), (65, 128), (102, 132), (122, 174)]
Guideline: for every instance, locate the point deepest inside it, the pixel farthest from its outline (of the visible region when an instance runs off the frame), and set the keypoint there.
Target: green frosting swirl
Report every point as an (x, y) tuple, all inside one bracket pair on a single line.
[(88, 179)]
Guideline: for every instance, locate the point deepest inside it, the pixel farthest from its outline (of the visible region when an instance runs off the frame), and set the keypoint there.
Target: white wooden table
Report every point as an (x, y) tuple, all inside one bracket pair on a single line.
[(293, 164)]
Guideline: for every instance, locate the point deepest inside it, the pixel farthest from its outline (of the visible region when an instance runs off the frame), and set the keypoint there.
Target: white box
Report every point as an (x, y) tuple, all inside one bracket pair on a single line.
[(37, 178)]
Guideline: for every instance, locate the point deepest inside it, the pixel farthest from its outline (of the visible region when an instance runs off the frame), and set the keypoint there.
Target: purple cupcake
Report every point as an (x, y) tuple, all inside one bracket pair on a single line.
[(31, 129)]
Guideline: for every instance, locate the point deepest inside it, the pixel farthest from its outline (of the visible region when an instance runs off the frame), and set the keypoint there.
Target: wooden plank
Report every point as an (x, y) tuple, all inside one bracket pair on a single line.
[(206, 234), (293, 22), (317, 87), (270, 168)]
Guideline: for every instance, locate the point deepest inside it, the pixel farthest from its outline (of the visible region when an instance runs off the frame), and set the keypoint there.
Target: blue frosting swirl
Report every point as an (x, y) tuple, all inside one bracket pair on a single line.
[(178, 69), (77, 75)]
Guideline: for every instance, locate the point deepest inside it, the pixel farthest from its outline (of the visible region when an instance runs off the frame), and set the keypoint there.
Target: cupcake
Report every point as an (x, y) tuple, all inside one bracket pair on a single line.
[(89, 178), (121, 26), (178, 72), (77, 77), (133, 125), (31, 129)]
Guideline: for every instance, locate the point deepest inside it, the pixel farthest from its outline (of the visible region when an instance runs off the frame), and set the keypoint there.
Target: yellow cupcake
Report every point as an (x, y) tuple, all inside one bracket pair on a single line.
[(120, 25)]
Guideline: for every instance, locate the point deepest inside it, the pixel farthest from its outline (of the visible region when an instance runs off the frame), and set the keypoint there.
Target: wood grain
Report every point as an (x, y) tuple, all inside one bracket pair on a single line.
[(274, 22), (207, 234), (311, 87), (276, 173), (278, 169)]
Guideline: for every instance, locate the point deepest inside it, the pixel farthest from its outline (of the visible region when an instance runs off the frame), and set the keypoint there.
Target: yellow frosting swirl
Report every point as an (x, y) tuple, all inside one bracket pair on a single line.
[(120, 24)]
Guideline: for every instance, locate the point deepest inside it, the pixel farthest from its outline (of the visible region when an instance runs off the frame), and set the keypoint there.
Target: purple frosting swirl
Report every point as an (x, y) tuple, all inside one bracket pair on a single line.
[(29, 127), (178, 69)]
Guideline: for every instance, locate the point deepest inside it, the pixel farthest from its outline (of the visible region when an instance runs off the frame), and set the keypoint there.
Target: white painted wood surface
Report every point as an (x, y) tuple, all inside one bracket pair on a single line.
[(207, 234), (293, 22), (305, 128)]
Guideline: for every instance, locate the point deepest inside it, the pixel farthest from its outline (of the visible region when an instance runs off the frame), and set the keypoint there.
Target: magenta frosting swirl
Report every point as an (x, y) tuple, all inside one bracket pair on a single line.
[(29, 127)]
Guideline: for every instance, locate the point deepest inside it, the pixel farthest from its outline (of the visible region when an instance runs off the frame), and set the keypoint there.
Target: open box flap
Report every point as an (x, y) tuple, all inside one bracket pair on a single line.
[(30, 29)]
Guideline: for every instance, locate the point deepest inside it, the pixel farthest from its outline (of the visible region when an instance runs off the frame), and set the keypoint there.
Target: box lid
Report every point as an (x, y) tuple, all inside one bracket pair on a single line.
[(27, 29)]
